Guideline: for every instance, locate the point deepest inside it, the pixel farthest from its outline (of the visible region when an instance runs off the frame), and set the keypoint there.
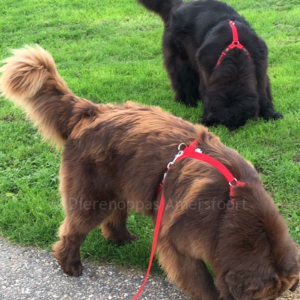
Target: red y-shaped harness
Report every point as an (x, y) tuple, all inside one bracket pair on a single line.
[(235, 43), (193, 152)]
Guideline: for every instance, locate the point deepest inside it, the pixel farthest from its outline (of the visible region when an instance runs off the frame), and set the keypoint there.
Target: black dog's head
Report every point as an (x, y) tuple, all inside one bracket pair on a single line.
[(230, 107), (231, 97)]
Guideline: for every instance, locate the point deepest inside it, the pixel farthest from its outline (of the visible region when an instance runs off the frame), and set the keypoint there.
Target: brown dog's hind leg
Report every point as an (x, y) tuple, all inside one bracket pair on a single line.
[(114, 226), (72, 233), (189, 274), (86, 197)]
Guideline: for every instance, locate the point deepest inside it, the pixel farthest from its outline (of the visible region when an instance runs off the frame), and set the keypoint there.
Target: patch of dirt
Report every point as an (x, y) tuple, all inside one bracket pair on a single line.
[(291, 296), (259, 169), (8, 119), (296, 159)]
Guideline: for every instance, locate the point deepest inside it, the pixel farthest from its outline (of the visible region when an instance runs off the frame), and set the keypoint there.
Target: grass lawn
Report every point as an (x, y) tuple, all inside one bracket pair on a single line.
[(110, 51)]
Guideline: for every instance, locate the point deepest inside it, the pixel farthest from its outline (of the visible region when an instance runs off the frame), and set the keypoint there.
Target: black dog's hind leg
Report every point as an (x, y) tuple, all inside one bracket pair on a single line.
[(184, 80), (266, 106)]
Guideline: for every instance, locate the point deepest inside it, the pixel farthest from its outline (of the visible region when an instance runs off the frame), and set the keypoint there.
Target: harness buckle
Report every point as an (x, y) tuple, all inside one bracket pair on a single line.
[(233, 182), (175, 158), (180, 145), (180, 153)]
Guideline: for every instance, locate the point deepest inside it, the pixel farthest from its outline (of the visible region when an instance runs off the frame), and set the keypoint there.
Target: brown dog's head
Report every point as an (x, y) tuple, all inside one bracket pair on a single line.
[(247, 285), (257, 258)]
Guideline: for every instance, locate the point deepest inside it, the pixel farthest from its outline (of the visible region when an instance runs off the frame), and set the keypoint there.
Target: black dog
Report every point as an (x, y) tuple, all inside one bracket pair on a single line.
[(212, 53)]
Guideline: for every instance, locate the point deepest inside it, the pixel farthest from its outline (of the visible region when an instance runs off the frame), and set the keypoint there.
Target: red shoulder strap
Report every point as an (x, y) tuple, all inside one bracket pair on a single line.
[(235, 43), (194, 152), (235, 35)]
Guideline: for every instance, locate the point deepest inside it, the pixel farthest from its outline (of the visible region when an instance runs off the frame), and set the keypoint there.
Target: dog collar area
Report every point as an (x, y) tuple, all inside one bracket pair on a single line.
[(235, 43), (193, 151)]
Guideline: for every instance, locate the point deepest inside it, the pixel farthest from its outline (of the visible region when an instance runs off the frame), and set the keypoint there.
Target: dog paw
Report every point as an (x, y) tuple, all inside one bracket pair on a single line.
[(73, 269), (189, 102), (207, 122), (130, 237), (121, 237), (127, 239), (178, 99), (277, 115), (192, 104), (273, 115)]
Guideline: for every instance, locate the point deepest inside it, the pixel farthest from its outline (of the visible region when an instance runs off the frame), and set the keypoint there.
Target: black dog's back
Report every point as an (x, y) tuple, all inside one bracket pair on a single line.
[(197, 18)]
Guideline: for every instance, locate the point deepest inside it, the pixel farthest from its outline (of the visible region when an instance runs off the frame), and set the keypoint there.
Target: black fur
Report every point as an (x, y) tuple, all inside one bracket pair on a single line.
[(195, 35)]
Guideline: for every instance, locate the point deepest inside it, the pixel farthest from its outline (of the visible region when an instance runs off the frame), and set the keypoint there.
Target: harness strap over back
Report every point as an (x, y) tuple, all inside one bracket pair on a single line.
[(235, 43)]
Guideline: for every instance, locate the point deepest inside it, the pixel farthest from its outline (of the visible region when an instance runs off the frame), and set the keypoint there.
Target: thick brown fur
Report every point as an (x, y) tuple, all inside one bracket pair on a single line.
[(196, 33), (113, 160)]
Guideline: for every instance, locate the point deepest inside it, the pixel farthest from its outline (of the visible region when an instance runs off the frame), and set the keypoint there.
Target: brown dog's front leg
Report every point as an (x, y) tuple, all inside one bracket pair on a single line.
[(191, 275)]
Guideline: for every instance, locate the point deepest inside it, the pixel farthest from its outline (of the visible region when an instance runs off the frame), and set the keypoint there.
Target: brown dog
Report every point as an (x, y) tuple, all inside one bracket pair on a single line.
[(114, 158)]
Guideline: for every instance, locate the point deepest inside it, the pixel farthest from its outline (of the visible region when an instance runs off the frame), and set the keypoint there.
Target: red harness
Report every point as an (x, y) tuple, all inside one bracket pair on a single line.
[(235, 43), (193, 152)]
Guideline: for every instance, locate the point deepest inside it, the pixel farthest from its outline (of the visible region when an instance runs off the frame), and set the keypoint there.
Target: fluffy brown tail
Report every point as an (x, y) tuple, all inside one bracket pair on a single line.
[(161, 7), (30, 79)]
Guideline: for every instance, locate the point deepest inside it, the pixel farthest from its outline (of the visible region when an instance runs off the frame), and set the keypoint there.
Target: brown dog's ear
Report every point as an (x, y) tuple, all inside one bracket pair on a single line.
[(294, 287)]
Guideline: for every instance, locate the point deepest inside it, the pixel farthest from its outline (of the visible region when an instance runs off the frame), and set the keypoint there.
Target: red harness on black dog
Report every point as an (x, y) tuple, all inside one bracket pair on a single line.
[(235, 43), (193, 152)]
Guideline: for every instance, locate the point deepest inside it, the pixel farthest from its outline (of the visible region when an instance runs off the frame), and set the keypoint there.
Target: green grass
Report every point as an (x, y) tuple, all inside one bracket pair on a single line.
[(110, 51)]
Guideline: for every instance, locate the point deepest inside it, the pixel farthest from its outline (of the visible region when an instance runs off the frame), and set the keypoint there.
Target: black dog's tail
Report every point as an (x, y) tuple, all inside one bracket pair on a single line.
[(161, 7)]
